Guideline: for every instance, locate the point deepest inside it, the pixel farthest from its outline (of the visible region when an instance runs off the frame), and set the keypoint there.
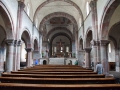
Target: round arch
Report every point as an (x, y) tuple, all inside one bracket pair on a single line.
[(3, 37), (88, 37), (67, 1), (107, 14), (81, 44), (26, 37), (36, 45), (59, 34), (58, 28), (58, 14), (9, 21)]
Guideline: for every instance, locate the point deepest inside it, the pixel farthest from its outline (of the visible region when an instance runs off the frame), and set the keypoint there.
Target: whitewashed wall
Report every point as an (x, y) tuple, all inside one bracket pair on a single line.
[(87, 23), (31, 8), (100, 10), (2, 22), (26, 24), (115, 17), (12, 6), (36, 34)]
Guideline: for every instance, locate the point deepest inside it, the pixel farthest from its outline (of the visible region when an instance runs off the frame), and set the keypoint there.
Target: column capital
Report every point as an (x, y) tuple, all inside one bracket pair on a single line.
[(104, 42), (28, 49), (19, 43), (81, 50), (93, 3), (21, 4), (95, 43), (10, 42), (15, 43), (88, 50)]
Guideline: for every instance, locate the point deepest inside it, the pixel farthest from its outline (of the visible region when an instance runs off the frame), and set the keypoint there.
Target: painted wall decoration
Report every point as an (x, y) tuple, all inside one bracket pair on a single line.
[(59, 20)]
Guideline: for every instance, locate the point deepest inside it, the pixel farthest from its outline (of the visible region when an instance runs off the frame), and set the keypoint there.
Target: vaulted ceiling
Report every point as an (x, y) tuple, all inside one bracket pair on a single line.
[(42, 8), (41, 11)]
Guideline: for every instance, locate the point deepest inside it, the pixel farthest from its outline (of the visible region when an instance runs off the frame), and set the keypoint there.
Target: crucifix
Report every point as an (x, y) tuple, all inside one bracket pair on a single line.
[(60, 45)]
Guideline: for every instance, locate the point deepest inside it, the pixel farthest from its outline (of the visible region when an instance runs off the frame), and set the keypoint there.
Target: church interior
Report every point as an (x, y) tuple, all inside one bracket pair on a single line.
[(56, 44)]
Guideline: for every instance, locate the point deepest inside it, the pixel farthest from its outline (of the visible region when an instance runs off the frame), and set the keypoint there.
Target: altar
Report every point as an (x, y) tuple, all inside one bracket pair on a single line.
[(57, 61), (60, 55)]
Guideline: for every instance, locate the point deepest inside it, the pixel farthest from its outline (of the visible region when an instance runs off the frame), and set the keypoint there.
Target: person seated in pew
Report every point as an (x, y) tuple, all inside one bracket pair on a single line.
[(76, 62), (36, 62), (99, 68)]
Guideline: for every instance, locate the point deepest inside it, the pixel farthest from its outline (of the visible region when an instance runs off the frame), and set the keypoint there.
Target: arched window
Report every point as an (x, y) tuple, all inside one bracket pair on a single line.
[(28, 9), (55, 49), (109, 48), (80, 22), (87, 8), (67, 49), (36, 23)]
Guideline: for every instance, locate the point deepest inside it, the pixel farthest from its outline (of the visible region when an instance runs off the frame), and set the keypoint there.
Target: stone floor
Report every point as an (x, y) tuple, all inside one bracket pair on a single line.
[(116, 76)]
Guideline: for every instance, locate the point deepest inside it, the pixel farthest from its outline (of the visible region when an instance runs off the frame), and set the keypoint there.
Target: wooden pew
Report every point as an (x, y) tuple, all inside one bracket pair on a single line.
[(56, 77), (56, 70), (53, 75), (30, 72), (16, 86), (57, 66), (57, 80)]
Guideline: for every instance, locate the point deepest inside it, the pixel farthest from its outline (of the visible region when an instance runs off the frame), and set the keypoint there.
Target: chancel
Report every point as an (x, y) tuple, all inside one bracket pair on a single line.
[(67, 36), (60, 49)]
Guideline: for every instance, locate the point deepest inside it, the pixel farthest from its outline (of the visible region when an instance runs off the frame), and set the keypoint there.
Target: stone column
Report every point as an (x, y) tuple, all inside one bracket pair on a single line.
[(29, 57), (81, 57), (104, 55), (93, 5), (117, 64), (9, 56), (2, 50), (87, 57), (18, 54), (47, 54), (95, 45), (15, 55), (21, 6), (73, 49), (76, 42)]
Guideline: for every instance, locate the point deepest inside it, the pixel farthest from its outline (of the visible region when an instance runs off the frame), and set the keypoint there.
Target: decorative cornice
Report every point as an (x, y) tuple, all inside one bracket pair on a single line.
[(95, 43), (19, 43), (21, 4), (88, 50), (10, 42), (104, 42), (28, 49), (93, 3)]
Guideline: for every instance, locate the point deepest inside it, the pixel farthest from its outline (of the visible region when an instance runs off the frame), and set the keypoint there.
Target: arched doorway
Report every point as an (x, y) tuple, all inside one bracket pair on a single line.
[(81, 44), (26, 49), (44, 62), (89, 39), (81, 56), (109, 18), (6, 40), (88, 54), (113, 47), (23, 55), (111, 56), (60, 45), (2, 48), (36, 53)]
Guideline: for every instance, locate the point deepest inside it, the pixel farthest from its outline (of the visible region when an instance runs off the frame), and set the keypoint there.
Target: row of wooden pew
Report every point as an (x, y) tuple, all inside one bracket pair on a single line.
[(56, 77)]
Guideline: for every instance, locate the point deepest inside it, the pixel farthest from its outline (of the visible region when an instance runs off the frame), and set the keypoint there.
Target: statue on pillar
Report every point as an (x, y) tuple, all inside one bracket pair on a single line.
[(70, 54)]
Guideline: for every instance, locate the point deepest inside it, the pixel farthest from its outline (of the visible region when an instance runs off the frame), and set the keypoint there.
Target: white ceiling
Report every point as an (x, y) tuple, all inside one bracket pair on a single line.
[(57, 6)]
